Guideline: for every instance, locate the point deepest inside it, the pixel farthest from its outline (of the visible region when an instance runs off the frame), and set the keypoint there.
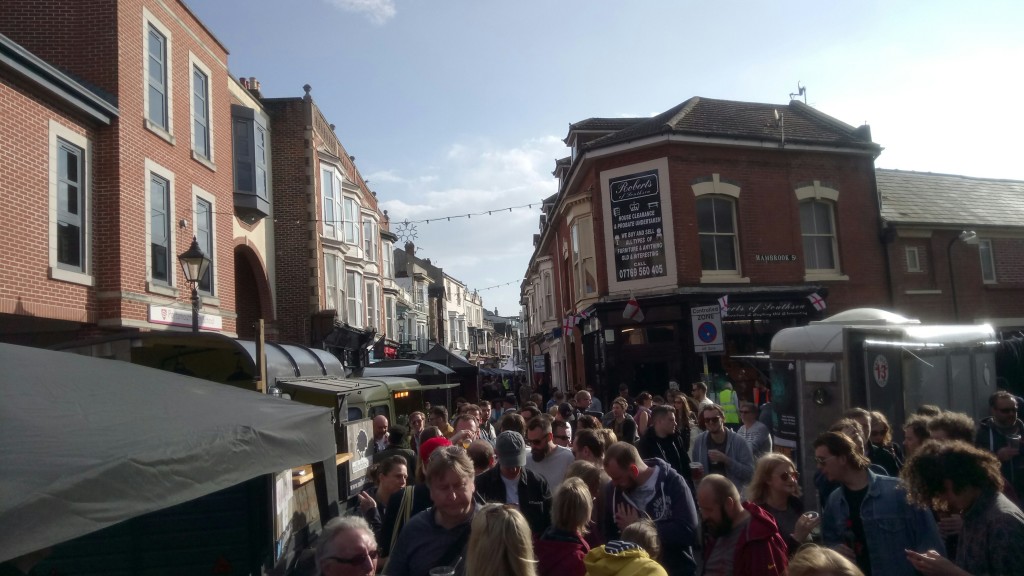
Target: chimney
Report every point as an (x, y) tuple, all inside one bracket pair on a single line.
[(410, 248), (253, 85)]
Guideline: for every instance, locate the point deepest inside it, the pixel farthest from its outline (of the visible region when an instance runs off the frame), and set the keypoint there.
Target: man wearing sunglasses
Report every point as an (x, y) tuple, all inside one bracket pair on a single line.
[(346, 548), (1001, 434), (721, 450)]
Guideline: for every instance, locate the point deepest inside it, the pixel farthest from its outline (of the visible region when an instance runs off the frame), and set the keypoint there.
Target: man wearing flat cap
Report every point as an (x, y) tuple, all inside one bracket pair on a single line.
[(511, 483)]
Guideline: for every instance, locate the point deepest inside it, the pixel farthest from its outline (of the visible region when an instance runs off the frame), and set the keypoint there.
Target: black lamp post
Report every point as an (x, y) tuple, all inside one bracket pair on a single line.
[(967, 237), (194, 264)]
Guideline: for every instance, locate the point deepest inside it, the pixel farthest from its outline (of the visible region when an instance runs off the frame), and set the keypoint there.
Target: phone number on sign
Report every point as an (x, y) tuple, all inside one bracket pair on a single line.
[(641, 271)]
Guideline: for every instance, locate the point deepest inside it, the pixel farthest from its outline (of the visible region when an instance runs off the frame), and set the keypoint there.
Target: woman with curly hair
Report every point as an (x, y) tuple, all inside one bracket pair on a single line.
[(960, 478), (880, 435), (500, 543), (812, 560), (775, 487)]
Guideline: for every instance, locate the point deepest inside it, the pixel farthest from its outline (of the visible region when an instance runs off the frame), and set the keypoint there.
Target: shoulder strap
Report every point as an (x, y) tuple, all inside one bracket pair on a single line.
[(404, 511)]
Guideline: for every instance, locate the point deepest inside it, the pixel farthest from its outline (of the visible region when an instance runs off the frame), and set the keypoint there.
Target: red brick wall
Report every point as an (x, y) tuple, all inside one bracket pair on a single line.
[(101, 42), (767, 215)]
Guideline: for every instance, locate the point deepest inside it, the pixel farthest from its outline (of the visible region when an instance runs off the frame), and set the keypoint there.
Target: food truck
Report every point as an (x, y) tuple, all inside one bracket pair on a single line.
[(877, 360)]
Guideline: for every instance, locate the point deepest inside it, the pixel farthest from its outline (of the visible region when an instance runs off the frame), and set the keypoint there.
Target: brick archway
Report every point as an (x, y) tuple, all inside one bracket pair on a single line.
[(252, 292)]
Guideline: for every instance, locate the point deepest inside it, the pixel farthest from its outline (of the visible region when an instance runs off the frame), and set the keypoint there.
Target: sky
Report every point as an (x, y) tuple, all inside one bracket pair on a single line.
[(456, 107)]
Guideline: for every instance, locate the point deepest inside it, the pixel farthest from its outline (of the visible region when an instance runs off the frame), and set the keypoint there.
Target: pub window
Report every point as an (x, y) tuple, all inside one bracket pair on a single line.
[(913, 259), (71, 238), (204, 236), (160, 229), (156, 86), (716, 227), (988, 264), (201, 141), (354, 298), (249, 151)]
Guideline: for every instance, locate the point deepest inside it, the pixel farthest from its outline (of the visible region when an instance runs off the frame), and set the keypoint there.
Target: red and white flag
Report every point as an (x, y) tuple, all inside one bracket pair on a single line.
[(633, 311), (723, 303), (568, 323), (817, 301)]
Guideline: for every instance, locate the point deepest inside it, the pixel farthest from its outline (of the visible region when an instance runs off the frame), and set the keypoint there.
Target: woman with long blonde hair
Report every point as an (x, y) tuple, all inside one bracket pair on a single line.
[(776, 488), (500, 543)]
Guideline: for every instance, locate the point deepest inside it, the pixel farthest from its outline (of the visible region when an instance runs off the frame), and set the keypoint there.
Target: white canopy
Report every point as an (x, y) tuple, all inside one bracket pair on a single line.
[(86, 443)]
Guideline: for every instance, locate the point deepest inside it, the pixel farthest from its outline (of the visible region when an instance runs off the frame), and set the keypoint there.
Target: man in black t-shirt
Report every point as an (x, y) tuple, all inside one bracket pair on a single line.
[(661, 441)]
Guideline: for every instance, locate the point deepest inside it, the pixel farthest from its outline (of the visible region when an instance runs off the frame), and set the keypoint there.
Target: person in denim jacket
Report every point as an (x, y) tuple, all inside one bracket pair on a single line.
[(868, 519)]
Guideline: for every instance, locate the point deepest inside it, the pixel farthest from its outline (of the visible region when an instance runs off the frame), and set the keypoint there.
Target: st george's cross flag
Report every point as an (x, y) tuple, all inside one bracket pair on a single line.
[(723, 303), (633, 311), (817, 301)]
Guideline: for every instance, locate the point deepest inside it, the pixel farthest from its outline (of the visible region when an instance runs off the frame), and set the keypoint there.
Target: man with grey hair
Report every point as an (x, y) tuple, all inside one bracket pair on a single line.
[(346, 548)]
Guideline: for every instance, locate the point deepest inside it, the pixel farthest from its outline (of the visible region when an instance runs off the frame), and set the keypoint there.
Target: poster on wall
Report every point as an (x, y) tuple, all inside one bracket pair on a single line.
[(359, 443), (785, 411), (637, 230)]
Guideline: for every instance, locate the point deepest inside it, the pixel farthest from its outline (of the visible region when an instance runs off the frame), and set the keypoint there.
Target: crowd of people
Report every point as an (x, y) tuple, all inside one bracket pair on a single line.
[(679, 485)]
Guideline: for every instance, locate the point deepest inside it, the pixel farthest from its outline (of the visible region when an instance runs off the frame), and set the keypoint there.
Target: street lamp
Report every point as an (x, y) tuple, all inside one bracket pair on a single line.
[(194, 264), (967, 237)]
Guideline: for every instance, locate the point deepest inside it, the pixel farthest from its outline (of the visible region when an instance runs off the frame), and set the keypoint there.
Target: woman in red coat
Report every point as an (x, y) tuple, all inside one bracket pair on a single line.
[(561, 549)]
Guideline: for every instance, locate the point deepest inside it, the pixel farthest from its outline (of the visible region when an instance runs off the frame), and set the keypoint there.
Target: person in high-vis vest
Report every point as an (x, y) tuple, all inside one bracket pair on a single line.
[(730, 406)]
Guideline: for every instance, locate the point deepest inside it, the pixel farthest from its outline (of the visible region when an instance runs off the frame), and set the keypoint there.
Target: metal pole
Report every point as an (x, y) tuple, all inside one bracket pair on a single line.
[(195, 308), (952, 280)]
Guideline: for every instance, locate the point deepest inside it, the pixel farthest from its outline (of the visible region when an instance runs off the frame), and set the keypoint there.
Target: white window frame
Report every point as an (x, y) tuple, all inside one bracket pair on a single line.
[(734, 235), (158, 286), (819, 192), (197, 195), (354, 308), (334, 296), (833, 236), (388, 260), (373, 303), (389, 317), (350, 220), (197, 65), (82, 274), (987, 256), (549, 302), (148, 20), (332, 203), (913, 259), (370, 239), (583, 259)]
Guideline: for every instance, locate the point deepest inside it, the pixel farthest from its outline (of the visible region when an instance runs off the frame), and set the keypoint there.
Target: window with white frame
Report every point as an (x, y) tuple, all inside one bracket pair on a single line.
[(817, 225), (354, 298), (988, 263), (204, 236), (716, 229), (330, 191), (549, 297), (389, 316), (372, 305), (158, 90), (388, 257), (333, 295), (71, 206), (201, 109), (370, 239), (160, 212), (351, 218), (584, 269), (913, 259)]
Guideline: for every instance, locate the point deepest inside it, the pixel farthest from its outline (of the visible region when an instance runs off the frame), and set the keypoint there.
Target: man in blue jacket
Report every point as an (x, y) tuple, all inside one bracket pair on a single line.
[(868, 519), (651, 489)]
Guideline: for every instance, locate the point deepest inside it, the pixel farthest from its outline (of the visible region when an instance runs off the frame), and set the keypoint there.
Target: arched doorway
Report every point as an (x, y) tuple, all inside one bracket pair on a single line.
[(252, 293)]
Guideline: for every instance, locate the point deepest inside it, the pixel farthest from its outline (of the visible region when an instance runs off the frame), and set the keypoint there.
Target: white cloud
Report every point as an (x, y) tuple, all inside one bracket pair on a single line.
[(474, 177), (377, 11)]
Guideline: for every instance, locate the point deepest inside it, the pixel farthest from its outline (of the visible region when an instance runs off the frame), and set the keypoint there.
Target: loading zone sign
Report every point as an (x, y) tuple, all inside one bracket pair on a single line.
[(707, 329)]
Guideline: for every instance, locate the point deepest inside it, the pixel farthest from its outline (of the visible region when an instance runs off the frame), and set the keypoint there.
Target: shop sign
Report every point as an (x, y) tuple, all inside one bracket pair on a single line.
[(761, 310), (538, 364), (774, 257), (178, 317), (707, 329), (637, 229)]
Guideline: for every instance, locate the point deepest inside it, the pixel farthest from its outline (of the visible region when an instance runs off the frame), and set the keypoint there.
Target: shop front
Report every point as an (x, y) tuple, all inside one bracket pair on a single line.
[(670, 344)]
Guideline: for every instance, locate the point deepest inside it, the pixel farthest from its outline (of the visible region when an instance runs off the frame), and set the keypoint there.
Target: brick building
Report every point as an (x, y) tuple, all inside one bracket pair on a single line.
[(333, 248), (117, 151), (771, 206), (955, 246)]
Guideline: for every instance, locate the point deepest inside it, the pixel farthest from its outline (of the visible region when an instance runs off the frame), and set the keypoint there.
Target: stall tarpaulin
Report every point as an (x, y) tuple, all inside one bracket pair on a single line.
[(88, 443)]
